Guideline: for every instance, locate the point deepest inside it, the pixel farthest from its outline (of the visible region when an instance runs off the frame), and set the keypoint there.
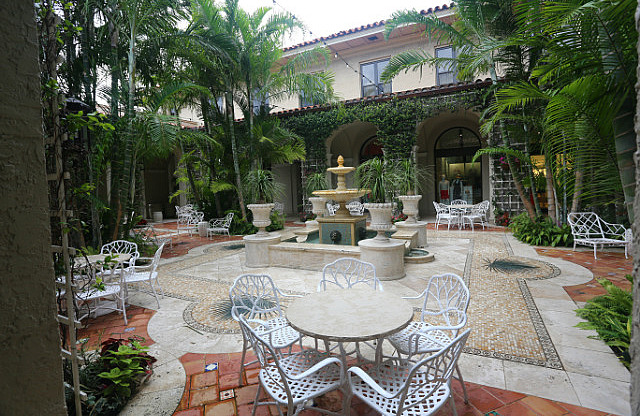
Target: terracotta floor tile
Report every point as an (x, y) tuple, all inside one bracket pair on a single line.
[(202, 380), (204, 396), (483, 400), (193, 367), (246, 395), (515, 409), (228, 381), (505, 396), (191, 357), (543, 406), (581, 411), (189, 412), (225, 408)]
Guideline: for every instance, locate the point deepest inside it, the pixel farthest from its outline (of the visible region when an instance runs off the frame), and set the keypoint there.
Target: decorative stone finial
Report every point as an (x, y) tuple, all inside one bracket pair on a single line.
[(340, 161)]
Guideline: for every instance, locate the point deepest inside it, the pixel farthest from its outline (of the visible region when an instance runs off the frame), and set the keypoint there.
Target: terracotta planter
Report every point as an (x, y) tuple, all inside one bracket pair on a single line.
[(261, 216), (410, 206), (380, 218)]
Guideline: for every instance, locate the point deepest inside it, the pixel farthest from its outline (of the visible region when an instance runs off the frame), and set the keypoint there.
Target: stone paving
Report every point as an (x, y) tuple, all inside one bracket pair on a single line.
[(524, 344)]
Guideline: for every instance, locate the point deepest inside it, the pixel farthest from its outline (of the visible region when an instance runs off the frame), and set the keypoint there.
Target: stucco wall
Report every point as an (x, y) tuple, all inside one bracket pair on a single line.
[(31, 381)]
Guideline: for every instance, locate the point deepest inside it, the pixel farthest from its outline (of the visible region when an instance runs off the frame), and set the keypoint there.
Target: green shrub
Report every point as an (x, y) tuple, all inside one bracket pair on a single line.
[(245, 227), (541, 232), (610, 316), (110, 376)]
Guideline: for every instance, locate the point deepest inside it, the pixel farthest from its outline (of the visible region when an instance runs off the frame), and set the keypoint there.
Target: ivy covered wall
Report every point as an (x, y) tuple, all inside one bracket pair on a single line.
[(395, 119)]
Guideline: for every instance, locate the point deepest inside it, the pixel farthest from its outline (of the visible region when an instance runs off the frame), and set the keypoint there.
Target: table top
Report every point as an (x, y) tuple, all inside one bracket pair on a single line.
[(349, 315), (461, 206), (81, 261)]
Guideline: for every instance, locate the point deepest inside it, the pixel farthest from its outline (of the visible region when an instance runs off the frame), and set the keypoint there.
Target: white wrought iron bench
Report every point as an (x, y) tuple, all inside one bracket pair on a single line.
[(589, 229)]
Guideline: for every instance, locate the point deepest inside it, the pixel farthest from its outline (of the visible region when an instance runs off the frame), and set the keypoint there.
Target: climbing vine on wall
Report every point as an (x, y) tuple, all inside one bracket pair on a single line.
[(395, 119)]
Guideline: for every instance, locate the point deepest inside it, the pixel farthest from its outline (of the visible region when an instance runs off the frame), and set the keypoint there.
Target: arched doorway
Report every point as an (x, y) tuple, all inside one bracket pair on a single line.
[(455, 173), (370, 149)]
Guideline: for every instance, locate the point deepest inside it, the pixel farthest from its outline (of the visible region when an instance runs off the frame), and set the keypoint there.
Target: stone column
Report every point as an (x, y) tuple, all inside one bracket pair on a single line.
[(31, 382)]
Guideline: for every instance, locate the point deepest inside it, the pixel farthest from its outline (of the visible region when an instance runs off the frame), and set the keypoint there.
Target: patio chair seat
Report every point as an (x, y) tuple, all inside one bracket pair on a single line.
[(326, 379), (284, 337)]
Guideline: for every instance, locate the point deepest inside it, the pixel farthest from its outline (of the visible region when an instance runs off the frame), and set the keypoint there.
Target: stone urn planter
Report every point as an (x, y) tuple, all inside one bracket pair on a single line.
[(380, 218), (261, 217), (319, 205), (410, 206)]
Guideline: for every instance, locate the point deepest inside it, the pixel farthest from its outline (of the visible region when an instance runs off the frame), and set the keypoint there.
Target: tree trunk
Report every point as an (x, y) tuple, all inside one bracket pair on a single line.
[(234, 150), (634, 348), (551, 191), (577, 190), (626, 145)]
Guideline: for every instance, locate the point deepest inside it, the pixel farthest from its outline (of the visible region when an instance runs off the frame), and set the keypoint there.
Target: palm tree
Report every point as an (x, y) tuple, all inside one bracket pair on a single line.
[(251, 46), (479, 35)]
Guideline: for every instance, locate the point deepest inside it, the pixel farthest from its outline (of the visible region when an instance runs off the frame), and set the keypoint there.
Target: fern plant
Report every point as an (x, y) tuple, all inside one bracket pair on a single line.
[(541, 232), (610, 316)]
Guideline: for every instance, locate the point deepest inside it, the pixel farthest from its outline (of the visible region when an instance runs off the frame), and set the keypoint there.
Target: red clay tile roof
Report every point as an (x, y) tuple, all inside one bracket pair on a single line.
[(417, 92), (361, 28)]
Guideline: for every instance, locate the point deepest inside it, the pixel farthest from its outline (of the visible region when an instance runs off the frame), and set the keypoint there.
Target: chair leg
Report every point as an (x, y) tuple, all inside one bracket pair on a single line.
[(453, 405), (244, 353), (595, 248), (464, 388)]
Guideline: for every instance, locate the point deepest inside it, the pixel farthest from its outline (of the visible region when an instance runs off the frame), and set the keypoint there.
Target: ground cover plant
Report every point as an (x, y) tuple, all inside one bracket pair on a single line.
[(610, 316), (540, 232), (110, 375)]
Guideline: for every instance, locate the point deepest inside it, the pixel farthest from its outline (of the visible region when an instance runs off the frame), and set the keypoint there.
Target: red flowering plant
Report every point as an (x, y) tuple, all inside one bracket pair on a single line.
[(398, 217), (502, 219)]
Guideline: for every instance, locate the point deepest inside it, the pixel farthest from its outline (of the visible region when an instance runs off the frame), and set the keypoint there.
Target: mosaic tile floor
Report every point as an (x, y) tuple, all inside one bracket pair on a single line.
[(505, 323), (195, 283)]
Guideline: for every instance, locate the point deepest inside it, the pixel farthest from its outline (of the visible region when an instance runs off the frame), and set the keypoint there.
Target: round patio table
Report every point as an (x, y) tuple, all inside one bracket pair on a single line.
[(349, 315)]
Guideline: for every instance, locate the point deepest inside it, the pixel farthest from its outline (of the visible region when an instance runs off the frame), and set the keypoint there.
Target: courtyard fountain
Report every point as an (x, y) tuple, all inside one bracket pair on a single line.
[(341, 228), (341, 235)]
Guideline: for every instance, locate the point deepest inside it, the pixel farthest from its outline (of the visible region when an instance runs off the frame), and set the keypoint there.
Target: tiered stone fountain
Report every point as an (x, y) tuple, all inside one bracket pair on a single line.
[(341, 228)]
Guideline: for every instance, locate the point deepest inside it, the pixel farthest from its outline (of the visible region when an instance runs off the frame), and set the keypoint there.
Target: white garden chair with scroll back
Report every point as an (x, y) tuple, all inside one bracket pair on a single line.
[(346, 273), (444, 313), (220, 225), (294, 379), (257, 298), (147, 274), (409, 388), (116, 248)]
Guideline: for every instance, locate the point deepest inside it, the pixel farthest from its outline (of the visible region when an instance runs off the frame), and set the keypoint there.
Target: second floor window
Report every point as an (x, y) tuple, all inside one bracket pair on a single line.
[(260, 100), (370, 76), (446, 72)]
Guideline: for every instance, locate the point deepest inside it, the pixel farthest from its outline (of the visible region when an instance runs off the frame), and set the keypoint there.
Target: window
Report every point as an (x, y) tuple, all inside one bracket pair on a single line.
[(446, 71), (306, 100), (260, 100), (370, 76)]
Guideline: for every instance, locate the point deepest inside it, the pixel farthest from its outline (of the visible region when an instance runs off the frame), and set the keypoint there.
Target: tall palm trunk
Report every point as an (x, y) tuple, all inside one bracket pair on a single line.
[(515, 175), (228, 98), (626, 146), (551, 191)]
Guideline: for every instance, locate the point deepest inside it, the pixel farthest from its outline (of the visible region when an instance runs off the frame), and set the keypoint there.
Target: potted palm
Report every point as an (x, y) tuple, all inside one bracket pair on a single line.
[(378, 176), (315, 182), (260, 187), (409, 180)]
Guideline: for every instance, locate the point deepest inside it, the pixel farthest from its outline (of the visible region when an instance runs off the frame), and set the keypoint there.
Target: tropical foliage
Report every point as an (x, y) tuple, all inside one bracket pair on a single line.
[(610, 316), (540, 232)]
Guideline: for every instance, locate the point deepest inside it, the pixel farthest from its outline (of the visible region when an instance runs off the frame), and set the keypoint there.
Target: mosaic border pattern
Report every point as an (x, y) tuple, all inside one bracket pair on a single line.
[(551, 355)]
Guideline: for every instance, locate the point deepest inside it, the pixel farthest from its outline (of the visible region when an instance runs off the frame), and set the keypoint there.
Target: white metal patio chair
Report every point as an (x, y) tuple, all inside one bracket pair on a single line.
[(589, 229), (292, 380), (98, 289), (146, 274), (404, 387), (332, 208), (442, 214), (444, 313), (356, 208), (346, 272), (256, 297), (220, 225), (189, 221), (477, 214), (117, 247)]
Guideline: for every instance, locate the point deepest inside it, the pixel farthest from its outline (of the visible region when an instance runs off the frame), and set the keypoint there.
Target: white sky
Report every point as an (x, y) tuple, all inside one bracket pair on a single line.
[(324, 17)]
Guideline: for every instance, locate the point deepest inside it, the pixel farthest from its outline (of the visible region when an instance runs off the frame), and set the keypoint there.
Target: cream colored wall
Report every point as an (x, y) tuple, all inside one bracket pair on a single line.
[(31, 381), (347, 83)]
